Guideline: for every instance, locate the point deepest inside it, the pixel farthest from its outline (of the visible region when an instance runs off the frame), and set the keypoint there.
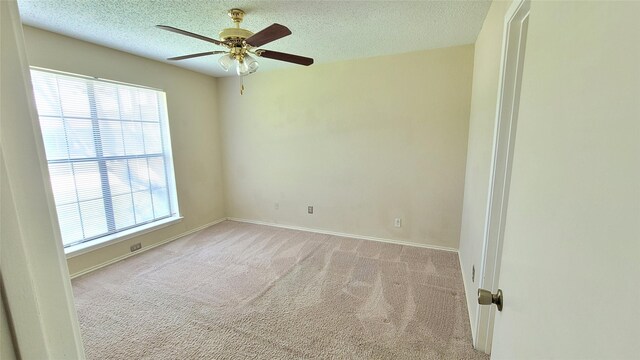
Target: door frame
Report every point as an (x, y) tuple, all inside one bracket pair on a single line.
[(34, 277), (511, 64)]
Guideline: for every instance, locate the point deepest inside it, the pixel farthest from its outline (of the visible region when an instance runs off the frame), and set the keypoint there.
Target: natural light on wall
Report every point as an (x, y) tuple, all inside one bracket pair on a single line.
[(109, 155)]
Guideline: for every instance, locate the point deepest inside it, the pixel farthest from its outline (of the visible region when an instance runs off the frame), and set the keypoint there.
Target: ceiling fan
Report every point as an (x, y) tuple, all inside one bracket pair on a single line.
[(240, 43)]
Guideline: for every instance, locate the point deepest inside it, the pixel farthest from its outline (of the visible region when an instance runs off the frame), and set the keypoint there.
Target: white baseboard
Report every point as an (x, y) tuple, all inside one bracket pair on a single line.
[(122, 257), (361, 237)]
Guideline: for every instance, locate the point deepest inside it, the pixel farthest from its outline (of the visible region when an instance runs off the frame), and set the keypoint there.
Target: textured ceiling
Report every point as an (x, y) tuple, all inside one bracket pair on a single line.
[(327, 31)]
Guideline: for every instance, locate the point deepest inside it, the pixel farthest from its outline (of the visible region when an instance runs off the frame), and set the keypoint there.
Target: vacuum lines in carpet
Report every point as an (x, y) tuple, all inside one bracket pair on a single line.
[(244, 291)]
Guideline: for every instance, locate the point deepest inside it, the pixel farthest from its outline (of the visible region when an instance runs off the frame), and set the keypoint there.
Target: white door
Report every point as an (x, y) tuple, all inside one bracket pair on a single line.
[(570, 265), (511, 68)]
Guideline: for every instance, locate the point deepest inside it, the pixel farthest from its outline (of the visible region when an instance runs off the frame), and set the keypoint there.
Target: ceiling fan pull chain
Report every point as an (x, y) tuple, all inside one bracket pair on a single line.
[(241, 85)]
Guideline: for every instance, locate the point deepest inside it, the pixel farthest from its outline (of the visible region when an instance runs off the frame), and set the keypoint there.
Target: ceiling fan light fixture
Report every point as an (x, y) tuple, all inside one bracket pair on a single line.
[(251, 63), (242, 68), (226, 61), (246, 65)]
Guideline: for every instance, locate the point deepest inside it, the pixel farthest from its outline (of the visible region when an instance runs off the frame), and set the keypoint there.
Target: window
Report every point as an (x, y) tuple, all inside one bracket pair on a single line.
[(108, 153)]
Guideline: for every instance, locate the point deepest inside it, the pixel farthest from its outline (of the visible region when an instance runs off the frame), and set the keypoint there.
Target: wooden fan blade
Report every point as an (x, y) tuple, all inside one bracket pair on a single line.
[(268, 34), (196, 55), (285, 57), (184, 32)]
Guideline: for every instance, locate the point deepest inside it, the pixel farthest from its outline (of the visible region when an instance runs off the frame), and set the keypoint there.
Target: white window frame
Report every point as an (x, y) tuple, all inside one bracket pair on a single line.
[(76, 249)]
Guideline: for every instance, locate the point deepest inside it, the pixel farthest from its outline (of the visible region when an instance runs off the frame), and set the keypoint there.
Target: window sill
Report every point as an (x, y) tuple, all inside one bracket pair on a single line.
[(95, 244)]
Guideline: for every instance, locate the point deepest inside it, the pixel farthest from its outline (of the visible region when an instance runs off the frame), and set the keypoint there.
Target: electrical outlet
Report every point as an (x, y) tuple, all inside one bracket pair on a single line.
[(473, 273), (136, 247), (310, 209), (397, 222)]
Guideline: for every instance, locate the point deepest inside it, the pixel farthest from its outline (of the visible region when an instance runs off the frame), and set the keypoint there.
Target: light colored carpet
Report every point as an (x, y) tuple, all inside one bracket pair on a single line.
[(242, 291)]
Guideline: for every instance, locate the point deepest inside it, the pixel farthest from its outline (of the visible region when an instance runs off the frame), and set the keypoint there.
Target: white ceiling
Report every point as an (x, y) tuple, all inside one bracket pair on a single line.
[(327, 31)]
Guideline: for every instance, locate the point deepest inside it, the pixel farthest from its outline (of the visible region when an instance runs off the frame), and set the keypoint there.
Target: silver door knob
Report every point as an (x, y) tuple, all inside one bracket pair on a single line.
[(485, 297)]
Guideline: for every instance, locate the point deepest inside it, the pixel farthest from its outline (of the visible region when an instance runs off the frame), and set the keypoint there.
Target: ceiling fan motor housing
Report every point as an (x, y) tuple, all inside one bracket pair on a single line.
[(232, 34), (235, 35)]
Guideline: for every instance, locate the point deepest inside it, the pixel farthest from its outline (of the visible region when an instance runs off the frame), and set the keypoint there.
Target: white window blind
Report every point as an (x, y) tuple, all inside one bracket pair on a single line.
[(108, 153)]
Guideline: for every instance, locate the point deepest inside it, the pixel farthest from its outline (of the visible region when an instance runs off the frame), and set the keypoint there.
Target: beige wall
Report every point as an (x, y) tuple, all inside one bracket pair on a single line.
[(192, 104), (486, 76), (571, 255), (363, 141)]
